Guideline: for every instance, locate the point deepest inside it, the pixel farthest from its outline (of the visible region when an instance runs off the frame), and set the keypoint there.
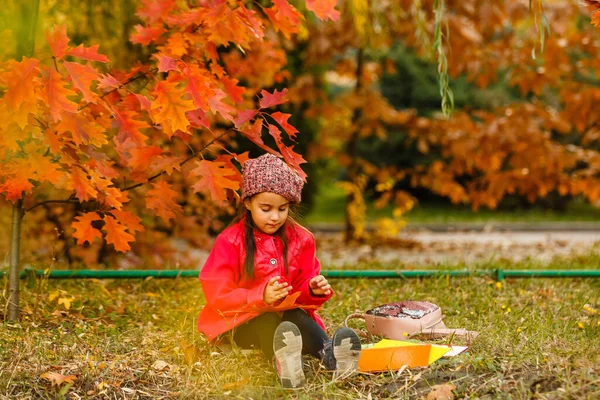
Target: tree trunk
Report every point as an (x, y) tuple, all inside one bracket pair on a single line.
[(352, 151), (25, 47), (15, 261)]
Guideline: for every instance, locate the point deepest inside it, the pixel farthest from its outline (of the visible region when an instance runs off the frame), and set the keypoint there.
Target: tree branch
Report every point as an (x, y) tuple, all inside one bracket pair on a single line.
[(127, 82), (41, 203), (194, 155)]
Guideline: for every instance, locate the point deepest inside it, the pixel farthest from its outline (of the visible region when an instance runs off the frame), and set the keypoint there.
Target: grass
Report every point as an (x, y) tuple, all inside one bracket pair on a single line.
[(329, 208), (137, 339)]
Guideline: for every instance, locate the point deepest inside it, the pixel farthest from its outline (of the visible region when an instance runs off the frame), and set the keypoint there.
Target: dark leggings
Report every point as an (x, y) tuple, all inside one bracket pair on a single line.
[(259, 332)]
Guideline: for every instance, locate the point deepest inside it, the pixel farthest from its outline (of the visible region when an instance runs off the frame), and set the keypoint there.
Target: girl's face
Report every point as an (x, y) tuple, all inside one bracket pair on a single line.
[(269, 211)]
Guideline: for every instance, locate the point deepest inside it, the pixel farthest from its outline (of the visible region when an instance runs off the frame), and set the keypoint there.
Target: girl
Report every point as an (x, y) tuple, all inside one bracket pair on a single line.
[(255, 264)]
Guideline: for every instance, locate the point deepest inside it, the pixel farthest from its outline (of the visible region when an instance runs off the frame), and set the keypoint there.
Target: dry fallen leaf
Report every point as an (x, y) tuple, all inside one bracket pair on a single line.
[(58, 379), (191, 354), (441, 392), (160, 365)]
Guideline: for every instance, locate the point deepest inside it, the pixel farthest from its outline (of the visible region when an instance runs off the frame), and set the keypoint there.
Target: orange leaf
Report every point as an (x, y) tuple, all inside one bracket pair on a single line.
[(116, 234), (19, 81), (82, 185), (84, 231), (128, 219), (114, 197), (54, 94), (58, 379), (15, 186), (323, 9), (83, 77), (214, 179), (88, 53), (172, 106), (58, 40), (141, 157), (161, 200)]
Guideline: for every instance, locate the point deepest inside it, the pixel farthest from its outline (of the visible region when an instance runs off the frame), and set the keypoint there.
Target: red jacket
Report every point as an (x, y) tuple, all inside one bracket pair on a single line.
[(232, 299)]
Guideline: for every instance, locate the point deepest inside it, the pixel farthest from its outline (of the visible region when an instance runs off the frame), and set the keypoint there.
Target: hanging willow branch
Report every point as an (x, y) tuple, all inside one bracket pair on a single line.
[(536, 7), (442, 61)]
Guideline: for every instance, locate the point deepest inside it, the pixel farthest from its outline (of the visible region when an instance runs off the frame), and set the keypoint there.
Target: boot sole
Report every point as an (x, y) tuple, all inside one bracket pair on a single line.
[(346, 350), (287, 345)]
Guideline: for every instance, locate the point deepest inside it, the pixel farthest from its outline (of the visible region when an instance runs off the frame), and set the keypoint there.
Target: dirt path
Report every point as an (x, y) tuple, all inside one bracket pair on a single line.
[(421, 248)]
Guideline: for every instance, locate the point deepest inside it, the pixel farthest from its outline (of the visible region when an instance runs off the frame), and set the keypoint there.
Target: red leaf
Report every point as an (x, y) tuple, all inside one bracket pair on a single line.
[(282, 121), (198, 85), (235, 92), (217, 106), (166, 63), (129, 128), (83, 77), (160, 199), (88, 53), (154, 10), (108, 82), (198, 118), (146, 35), (269, 100), (254, 133), (116, 234), (215, 177), (323, 9), (293, 159), (58, 40), (244, 116), (54, 94), (145, 103), (84, 231)]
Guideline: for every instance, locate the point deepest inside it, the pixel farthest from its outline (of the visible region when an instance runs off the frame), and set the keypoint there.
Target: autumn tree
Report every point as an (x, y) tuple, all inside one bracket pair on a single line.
[(74, 131), (543, 143)]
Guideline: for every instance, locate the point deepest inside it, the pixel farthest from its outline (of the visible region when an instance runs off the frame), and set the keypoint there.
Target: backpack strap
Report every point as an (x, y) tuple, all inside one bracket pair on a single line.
[(442, 332)]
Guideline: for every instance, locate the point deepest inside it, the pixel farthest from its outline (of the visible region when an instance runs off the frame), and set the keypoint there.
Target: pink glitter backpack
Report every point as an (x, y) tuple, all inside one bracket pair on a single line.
[(408, 319)]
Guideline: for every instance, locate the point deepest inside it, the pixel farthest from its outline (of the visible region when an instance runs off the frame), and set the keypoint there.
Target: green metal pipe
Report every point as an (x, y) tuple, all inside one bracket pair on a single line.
[(499, 274)]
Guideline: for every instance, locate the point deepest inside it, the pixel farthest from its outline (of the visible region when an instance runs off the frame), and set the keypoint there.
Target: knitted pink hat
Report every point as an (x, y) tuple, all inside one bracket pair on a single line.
[(269, 173)]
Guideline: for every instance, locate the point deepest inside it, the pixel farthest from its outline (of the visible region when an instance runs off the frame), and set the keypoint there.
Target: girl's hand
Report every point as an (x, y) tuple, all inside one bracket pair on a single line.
[(275, 291), (319, 286)]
